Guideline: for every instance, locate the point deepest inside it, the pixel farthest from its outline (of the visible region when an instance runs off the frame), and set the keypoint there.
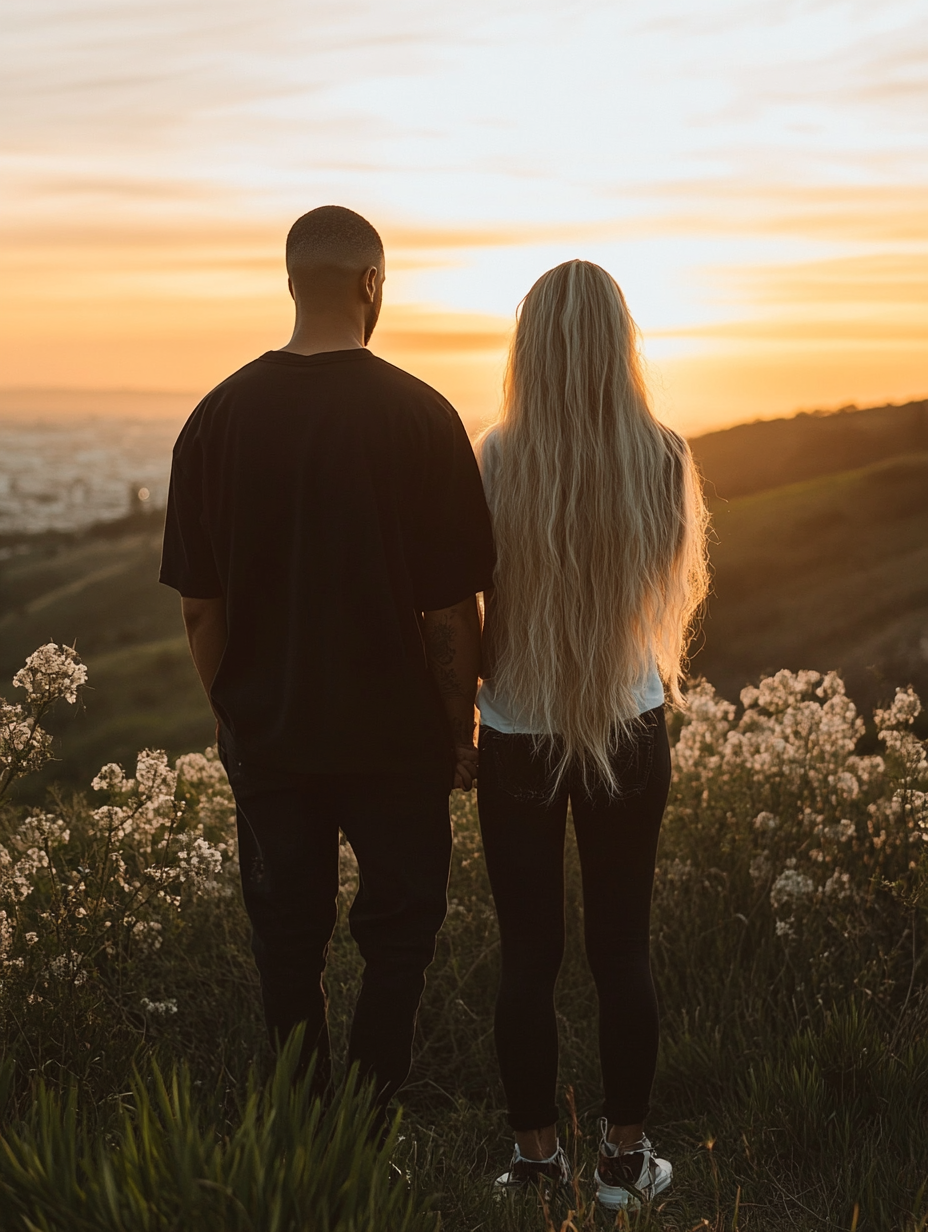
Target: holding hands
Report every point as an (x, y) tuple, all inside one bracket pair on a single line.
[(465, 766)]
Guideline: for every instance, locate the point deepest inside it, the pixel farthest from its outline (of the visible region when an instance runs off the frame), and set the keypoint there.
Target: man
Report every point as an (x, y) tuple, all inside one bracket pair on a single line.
[(327, 532)]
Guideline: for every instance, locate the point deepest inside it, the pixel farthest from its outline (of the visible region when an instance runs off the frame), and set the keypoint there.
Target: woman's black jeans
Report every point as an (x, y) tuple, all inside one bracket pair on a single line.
[(523, 836)]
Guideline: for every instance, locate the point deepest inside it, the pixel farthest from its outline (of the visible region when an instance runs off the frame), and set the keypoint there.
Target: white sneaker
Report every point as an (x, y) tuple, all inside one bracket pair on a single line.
[(626, 1177), (522, 1173)]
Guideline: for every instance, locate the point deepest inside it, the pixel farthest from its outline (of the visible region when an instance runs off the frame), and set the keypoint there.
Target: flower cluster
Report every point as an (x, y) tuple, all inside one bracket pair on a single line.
[(96, 889), (813, 823), (51, 674), (159, 1009)]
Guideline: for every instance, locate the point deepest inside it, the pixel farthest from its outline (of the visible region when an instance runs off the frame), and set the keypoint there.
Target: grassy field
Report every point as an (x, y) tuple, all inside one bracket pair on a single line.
[(791, 908)]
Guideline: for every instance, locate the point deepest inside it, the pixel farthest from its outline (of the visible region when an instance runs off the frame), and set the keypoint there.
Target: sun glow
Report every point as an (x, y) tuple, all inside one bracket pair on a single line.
[(754, 179)]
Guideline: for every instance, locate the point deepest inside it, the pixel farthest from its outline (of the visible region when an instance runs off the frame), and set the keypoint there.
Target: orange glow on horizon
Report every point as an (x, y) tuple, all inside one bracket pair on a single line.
[(754, 178)]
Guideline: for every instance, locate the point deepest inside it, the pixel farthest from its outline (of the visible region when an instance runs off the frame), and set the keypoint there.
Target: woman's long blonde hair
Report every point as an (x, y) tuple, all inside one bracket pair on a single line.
[(599, 519)]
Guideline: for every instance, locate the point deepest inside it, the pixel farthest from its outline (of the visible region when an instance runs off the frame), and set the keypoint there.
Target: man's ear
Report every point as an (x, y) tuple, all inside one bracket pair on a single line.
[(370, 284), (290, 289)]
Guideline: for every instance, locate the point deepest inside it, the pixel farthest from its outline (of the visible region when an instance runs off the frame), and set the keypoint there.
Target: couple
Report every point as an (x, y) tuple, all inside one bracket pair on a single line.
[(329, 532)]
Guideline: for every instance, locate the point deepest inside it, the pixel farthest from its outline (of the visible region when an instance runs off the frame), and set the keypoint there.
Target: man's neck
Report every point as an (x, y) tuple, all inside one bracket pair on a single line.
[(315, 336)]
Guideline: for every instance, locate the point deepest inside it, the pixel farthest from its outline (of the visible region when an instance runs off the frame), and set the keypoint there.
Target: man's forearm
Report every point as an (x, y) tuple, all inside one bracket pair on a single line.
[(452, 647), (205, 622)]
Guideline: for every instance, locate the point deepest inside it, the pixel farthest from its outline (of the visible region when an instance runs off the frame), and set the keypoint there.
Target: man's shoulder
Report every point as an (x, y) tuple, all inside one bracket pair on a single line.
[(219, 396), (418, 393), (254, 372)]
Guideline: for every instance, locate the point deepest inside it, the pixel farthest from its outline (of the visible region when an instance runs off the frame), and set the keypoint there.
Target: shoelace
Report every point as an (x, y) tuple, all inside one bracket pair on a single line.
[(643, 1144), (641, 1147)]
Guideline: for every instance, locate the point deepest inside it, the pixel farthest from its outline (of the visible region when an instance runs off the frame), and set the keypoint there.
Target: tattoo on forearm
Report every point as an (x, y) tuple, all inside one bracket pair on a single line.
[(441, 649), (443, 653)]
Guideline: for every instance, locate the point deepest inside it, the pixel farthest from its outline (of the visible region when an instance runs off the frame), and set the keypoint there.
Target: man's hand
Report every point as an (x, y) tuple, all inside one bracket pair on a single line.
[(452, 647), (465, 766)]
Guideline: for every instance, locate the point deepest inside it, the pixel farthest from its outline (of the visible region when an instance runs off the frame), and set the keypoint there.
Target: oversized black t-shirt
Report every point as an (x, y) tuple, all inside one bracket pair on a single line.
[(330, 499)]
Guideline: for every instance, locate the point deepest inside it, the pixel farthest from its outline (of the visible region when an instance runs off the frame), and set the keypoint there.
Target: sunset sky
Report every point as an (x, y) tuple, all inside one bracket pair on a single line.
[(753, 172)]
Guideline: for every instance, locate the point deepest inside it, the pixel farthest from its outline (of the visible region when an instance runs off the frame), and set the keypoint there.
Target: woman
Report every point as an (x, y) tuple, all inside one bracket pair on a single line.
[(600, 528)]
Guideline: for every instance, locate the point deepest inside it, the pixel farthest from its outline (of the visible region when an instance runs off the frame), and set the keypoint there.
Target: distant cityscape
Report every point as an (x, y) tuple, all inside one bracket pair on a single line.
[(67, 475)]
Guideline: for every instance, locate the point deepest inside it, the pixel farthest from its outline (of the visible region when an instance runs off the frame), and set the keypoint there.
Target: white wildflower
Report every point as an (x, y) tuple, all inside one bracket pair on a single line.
[(41, 830), (51, 672), (846, 785), (22, 742), (147, 933), (117, 821), (790, 886), (679, 871), (203, 771), (156, 780), (347, 869), (778, 693), (6, 935), (838, 885), (905, 707), (760, 868), (199, 862), (766, 821), (841, 831), (159, 1009), (111, 778), (784, 928), (68, 967), (831, 686)]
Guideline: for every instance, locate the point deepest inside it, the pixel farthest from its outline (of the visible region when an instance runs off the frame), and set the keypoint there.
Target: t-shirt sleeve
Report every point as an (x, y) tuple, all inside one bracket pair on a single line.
[(457, 555), (187, 560)]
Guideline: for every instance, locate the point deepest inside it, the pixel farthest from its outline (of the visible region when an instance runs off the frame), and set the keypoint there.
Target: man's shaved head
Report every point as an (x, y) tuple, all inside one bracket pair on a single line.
[(333, 237)]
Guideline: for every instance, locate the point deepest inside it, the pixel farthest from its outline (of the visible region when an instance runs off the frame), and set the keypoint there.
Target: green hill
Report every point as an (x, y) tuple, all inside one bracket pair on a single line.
[(828, 573), (753, 457), (100, 592)]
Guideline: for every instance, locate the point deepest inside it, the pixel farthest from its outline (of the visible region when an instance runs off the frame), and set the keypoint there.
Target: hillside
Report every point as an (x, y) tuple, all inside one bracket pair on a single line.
[(753, 457), (828, 573), (101, 593)]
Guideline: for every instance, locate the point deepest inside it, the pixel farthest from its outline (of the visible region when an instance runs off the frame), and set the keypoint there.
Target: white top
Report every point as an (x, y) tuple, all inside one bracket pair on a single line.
[(496, 710)]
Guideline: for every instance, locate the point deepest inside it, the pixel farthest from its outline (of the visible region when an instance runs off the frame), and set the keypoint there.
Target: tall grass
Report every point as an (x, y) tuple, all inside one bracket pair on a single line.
[(789, 949), (163, 1160)]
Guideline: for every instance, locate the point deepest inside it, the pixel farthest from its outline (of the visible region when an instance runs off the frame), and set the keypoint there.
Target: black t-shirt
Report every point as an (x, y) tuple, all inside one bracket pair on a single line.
[(331, 499)]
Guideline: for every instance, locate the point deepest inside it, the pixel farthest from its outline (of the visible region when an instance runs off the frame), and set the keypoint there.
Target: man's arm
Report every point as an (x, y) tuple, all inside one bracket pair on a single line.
[(205, 622), (452, 647)]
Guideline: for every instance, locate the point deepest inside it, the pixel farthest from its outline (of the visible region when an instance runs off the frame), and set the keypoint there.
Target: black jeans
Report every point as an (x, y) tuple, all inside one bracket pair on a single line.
[(288, 835), (523, 837)]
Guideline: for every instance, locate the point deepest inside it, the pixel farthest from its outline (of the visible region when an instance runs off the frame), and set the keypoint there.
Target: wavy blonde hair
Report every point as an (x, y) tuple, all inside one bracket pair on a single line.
[(599, 519)]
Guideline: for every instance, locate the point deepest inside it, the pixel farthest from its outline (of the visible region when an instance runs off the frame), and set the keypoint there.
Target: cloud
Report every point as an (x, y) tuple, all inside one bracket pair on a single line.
[(875, 300), (866, 212), (871, 281), (809, 332)]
